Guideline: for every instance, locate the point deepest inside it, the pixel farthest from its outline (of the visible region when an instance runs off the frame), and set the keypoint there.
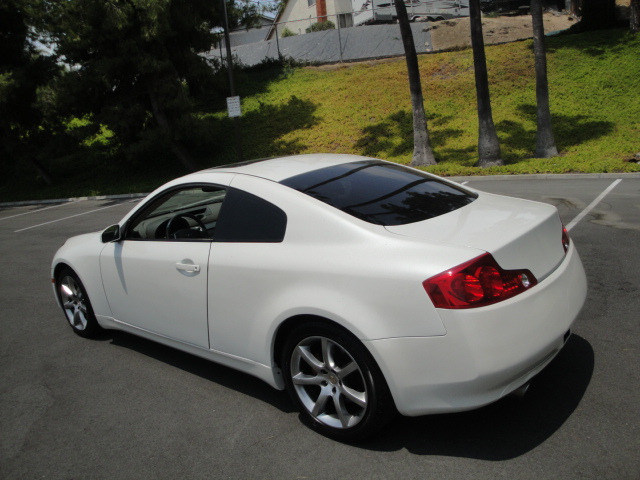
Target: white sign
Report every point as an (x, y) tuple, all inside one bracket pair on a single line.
[(233, 107)]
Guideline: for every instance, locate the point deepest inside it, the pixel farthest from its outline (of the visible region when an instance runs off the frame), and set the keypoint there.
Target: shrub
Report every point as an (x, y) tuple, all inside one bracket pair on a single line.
[(319, 26), (287, 33)]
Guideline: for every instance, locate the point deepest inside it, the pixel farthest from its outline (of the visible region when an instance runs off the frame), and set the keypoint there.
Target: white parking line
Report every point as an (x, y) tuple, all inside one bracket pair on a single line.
[(36, 210), (592, 205), (66, 218)]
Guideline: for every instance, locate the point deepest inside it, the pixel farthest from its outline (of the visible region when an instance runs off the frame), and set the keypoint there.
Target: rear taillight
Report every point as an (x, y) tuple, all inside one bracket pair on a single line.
[(565, 239), (477, 283)]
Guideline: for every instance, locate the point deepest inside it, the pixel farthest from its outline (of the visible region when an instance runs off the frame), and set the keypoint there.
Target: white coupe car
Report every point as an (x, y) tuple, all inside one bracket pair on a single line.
[(361, 286)]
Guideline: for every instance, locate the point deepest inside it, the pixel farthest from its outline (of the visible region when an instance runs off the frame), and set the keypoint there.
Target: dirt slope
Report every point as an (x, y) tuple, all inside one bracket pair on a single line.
[(449, 34)]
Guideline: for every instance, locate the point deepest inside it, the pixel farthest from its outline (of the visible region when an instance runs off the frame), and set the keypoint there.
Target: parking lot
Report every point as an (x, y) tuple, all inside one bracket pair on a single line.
[(124, 407)]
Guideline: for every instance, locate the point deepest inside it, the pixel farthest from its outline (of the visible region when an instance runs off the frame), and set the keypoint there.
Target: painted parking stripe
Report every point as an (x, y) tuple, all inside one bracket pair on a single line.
[(67, 218), (35, 211), (593, 204)]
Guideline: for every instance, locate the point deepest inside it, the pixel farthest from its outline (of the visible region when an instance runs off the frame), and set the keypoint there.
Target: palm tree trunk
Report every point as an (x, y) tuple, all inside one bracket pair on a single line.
[(422, 153), (545, 143), (488, 144), (634, 16)]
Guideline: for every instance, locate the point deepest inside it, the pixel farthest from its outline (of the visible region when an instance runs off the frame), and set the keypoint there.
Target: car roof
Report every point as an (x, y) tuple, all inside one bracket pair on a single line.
[(278, 169)]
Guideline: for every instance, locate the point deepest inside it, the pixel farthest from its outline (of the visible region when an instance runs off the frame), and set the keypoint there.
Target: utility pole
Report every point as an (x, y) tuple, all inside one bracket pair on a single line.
[(232, 87)]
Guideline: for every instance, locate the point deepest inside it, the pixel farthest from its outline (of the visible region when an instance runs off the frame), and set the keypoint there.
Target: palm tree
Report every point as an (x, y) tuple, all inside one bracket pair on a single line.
[(422, 153), (634, 16), (488, 144), (545, 143)]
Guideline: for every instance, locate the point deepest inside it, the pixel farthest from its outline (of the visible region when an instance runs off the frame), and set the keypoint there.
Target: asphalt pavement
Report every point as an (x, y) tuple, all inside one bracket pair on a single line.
[(124, 407)]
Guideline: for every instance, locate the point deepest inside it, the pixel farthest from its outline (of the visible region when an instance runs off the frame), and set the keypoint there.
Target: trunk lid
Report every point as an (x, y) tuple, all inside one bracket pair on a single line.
[(520, 234)]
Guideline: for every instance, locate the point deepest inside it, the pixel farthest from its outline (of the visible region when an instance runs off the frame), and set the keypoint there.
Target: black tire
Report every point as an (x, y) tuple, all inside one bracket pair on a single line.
[(75, 303), (335, 381)]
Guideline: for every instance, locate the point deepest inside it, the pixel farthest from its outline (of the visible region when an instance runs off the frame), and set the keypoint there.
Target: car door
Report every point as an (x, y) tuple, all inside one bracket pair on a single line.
[(155, 277)]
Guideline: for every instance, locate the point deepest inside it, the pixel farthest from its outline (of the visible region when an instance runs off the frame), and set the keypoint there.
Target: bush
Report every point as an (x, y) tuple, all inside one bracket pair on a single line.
[(287, 33), (319, 26)]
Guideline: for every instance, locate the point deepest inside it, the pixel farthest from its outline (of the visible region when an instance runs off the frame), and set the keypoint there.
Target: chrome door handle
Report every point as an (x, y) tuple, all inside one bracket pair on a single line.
[(188, 267)]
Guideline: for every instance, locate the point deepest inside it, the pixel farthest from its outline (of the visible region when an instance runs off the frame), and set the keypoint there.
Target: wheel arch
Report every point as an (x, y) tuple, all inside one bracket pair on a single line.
[(287, 326), (55, 274), (87, 269), (384, 403), (61, 266)]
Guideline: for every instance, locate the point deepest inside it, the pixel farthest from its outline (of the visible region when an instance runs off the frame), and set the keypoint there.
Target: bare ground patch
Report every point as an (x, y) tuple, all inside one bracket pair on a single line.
[(455, 33)]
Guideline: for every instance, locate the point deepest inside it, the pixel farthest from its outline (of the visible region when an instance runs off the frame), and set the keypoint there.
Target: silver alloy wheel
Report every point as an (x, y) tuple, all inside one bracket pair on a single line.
[(328, 382), (73, 302)]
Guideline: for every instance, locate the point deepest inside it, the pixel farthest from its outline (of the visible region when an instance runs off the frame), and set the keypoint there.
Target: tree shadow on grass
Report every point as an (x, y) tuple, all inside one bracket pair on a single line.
[(568, 130), (393, 136), (261, 131), (594, 43), (254, 80)]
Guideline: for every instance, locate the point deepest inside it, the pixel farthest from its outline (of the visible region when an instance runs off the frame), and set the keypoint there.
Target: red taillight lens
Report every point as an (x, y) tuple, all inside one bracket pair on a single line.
[(476, 283), (565, 239)]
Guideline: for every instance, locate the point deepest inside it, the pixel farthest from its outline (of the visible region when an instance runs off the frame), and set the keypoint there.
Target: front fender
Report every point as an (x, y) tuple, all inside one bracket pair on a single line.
[(82, 255)]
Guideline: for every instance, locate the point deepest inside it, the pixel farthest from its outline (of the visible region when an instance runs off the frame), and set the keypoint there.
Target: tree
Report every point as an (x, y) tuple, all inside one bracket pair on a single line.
[(422, 153), (634, 16), (488, 144), (545, 143), (25, 77), (136, 60)]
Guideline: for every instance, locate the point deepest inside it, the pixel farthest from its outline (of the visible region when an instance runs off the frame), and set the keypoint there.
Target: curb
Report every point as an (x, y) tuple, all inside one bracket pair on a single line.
[(545, 176), (469, 178)]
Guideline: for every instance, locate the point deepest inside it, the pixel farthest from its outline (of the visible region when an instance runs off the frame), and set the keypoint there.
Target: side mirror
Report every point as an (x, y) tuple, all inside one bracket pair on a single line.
[(111, 234)]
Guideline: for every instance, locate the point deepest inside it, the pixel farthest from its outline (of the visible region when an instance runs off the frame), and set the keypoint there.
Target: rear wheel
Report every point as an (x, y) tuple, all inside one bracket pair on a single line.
[(75, 304), (335, 381)]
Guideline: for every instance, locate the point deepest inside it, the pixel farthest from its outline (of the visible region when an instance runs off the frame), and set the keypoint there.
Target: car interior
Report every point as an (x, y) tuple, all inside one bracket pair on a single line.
[(189, 214)]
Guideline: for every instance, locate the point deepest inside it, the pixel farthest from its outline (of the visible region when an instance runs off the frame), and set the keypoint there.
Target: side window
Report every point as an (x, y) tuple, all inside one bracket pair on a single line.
[(183, 214), (247, 218)]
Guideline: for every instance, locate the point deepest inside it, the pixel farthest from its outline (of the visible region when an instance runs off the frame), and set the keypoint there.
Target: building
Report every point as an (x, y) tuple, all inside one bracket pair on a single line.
[(244, 36), (298, 15)]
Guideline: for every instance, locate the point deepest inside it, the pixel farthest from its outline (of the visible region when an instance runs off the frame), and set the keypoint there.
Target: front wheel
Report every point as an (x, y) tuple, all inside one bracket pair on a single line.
[(75, 304), (335, 381)]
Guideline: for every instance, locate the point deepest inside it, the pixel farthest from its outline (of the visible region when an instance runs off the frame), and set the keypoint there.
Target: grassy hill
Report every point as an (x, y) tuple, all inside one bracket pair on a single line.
[(364, 108)]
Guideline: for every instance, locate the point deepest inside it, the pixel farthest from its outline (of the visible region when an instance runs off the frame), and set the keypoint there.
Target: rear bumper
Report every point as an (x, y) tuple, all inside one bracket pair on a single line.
[(487, 352)]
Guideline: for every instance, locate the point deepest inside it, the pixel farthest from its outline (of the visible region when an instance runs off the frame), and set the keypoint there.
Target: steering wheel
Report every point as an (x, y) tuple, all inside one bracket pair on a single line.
[(179, 222)]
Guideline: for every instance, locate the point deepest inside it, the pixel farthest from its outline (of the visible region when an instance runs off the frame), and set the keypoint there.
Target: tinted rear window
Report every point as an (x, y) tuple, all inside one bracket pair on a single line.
[(381, 193)]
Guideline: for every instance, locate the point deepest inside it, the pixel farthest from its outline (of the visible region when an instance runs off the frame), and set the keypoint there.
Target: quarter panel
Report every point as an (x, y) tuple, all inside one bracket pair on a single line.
[(253, 288), (330, 265)]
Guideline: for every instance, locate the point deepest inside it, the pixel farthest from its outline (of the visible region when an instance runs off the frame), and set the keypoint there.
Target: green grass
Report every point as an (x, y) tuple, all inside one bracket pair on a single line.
[(364, 108)]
